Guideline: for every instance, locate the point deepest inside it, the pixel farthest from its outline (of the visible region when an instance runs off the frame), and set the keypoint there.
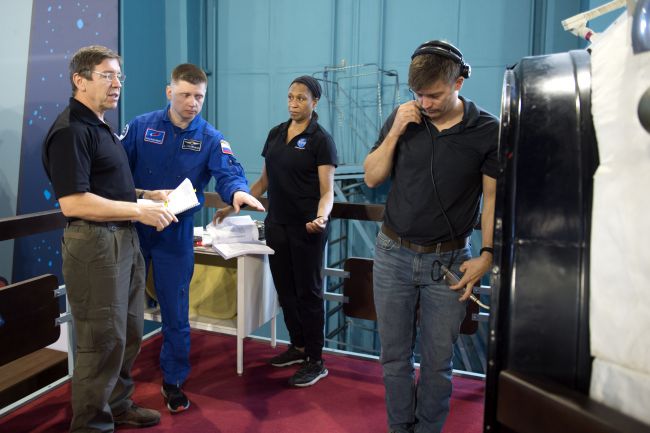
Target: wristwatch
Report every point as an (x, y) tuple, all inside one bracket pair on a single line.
[(487, 249)]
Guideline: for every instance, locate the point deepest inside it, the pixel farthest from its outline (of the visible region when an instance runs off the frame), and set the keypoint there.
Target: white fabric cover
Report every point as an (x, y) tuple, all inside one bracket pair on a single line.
[(620, 237)]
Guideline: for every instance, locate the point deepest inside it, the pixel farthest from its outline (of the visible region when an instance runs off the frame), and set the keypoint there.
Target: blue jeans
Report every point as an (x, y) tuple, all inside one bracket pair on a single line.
[(401, 278)]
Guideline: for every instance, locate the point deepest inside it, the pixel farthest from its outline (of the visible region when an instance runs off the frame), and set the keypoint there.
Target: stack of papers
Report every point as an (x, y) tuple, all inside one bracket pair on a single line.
[(236, 236), (234, 229)]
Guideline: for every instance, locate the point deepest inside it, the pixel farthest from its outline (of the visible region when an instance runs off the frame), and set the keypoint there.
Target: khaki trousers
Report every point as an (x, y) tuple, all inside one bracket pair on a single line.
[(103, 271)]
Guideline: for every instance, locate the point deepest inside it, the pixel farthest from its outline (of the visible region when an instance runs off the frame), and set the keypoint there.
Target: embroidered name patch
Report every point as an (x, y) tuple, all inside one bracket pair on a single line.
[(153, 136), (225, 147), (189, 144), (301, 143)]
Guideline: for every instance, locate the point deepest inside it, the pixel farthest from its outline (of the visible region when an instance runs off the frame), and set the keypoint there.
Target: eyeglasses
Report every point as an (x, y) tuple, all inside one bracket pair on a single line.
[(110, 76)]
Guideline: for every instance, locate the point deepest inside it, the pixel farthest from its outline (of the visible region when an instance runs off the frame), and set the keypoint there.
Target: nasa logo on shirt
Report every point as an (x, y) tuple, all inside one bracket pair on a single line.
[(124, 132), (189, 144), (225, 147), (300, 144), (153, 136)]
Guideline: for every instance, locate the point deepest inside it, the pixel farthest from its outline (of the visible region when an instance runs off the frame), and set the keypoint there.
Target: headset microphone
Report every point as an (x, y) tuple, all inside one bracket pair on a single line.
[(444, 49)]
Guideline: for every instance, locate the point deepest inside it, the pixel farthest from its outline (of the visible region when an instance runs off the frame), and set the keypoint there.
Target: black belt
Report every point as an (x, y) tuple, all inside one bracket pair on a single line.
[(111, 225), (440, 247)]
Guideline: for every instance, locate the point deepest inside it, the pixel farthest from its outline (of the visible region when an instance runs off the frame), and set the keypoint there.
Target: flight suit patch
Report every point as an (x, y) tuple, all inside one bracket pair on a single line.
[(153, 136), (124, 132), (190, 144), (225, 147)]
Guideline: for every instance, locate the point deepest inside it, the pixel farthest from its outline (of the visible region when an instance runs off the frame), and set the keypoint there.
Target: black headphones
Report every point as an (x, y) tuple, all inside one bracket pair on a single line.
[(447, 50)]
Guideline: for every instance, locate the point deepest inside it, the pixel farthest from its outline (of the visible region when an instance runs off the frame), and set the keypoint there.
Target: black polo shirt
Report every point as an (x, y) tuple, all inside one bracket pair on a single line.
[(292, 170), (82, 154), (460, 155)]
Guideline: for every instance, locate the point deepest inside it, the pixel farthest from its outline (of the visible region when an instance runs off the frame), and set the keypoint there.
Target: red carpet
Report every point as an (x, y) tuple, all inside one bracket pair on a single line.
[(350, 399)]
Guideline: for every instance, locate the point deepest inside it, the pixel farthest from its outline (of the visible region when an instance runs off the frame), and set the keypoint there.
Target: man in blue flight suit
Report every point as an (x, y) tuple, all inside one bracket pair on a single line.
[(165, 147)]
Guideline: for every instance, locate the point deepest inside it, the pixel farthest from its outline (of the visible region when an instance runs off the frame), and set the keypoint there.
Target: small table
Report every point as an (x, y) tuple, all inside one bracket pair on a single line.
[(256, 299)]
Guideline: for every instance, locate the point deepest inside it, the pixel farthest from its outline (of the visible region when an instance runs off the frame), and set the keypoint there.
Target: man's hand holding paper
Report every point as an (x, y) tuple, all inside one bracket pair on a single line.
[(176, 201)]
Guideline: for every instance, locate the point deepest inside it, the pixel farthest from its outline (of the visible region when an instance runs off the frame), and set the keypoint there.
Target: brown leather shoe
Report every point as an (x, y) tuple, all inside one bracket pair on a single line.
[(137, 416)]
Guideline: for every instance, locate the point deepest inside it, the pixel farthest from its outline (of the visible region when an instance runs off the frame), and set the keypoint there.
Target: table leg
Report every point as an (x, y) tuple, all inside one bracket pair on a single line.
[(241, 312), (273, 334), (240, 354)]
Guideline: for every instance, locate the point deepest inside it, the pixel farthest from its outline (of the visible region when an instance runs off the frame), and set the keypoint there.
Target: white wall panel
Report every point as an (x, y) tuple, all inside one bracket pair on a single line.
[(14, 33)]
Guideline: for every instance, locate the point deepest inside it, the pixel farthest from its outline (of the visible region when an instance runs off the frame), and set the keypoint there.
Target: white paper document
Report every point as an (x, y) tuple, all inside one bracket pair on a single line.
[(234, 229), (182, 198), (179, 200), (228, 251), (236, 236)]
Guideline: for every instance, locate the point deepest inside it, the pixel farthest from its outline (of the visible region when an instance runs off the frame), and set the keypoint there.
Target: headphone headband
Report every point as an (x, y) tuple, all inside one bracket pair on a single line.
[(447, 50)]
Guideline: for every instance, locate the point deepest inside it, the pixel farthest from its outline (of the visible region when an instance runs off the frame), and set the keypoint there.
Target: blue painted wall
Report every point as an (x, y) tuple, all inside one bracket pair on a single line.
[(142, 45), (253, 48), (155, 36)]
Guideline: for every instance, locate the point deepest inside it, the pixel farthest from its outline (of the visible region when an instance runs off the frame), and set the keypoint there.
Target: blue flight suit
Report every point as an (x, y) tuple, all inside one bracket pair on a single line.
[(161, 156)]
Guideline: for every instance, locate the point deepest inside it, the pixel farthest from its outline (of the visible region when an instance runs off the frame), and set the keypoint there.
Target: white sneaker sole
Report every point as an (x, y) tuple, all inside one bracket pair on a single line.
[(286, 364), (172, 410), (316, 379)]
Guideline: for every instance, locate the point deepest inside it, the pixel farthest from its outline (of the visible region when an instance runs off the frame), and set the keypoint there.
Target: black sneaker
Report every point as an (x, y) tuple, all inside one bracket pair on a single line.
[(310, 373), (137, 416), (175, 398), (290, 356)]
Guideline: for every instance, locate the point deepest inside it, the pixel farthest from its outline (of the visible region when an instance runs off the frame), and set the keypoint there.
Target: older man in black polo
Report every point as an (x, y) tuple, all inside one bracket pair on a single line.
[(102, 264)]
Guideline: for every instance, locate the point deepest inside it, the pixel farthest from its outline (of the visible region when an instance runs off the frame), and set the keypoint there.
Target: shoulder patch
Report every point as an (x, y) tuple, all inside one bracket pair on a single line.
[(225, 147), (124, 132)]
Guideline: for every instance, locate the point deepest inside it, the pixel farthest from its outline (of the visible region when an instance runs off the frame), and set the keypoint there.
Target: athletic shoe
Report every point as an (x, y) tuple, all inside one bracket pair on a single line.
[(290, 356), (175, 398), (311, 372)]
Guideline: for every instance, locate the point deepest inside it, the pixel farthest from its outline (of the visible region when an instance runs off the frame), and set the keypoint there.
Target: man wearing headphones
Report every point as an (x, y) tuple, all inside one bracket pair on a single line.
[(440, 151)]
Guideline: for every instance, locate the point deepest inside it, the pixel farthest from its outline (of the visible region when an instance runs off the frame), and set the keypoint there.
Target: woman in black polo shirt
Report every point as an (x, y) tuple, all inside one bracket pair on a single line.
[(298, 173)]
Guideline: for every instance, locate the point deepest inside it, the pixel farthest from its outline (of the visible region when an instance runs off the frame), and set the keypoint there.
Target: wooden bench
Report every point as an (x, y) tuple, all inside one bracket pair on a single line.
[(30, 373), (28, 323), (29, 311)]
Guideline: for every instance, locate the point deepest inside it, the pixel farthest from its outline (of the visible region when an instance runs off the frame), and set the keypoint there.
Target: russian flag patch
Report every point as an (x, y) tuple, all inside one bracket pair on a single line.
[(154, 136), (225, 147)]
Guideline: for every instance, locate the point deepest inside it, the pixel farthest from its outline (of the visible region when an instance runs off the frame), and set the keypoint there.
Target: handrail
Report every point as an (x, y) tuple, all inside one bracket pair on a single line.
[(344, 210), (39, 222), (31, 224)]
